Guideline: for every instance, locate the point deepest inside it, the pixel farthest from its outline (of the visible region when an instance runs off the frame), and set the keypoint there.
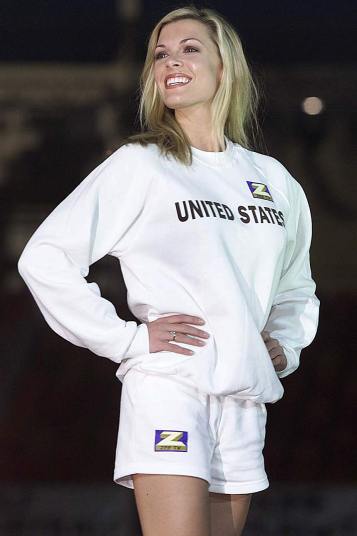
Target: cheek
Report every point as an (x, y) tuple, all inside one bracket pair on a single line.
[(157, 71), (158, 84), (208, 73)]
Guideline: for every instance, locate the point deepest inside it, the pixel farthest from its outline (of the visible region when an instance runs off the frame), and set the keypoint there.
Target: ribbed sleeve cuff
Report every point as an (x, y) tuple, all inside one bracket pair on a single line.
[(140, 343)]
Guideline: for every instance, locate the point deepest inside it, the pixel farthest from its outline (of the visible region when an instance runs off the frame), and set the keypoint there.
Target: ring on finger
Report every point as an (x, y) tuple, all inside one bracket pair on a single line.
[(173, 333)]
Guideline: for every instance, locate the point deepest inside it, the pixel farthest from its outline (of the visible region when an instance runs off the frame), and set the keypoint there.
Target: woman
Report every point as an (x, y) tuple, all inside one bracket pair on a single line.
[(213, 240)]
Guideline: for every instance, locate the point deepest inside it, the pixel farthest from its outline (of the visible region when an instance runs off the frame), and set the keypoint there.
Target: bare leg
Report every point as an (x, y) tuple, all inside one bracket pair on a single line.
[(170, 504), (228, 513)]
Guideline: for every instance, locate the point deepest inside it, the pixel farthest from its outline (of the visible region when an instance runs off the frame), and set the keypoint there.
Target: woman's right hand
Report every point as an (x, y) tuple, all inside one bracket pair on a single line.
[(159, 333)]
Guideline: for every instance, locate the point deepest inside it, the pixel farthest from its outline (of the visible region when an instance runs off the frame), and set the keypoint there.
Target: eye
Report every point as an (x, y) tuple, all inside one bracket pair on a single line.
[(158, 56), (192, 48)]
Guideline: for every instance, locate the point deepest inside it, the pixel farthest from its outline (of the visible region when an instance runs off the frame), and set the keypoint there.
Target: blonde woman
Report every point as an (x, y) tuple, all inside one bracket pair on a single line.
[(213, 240)]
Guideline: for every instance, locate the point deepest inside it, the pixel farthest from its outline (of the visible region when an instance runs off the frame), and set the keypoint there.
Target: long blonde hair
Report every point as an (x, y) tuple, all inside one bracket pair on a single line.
[(234, 106)]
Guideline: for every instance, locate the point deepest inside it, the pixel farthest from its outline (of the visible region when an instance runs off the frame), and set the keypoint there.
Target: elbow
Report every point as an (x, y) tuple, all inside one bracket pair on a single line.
[(20, 264), (23, 264)]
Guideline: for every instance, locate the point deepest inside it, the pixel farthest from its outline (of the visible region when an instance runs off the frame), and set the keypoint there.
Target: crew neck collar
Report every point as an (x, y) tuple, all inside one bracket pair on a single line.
[(214, 158)]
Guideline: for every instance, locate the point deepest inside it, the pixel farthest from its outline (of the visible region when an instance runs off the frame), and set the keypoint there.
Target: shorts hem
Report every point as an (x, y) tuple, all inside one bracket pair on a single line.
[(246, 487), (124, 478)]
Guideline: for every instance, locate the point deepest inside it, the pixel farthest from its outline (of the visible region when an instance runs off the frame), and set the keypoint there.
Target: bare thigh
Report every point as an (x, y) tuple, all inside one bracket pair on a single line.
[(228, 513), (169, 504)]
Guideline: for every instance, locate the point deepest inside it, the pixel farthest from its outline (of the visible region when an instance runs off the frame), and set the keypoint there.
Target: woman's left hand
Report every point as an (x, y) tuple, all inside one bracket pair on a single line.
[(276, 352)]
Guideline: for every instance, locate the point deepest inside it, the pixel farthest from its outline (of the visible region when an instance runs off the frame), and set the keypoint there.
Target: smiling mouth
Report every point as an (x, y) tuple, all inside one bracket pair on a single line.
[(176, 84)]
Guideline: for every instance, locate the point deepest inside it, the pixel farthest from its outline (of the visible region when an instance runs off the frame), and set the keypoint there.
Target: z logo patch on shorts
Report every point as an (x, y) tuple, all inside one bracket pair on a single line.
[(260, 190), (171, 440)]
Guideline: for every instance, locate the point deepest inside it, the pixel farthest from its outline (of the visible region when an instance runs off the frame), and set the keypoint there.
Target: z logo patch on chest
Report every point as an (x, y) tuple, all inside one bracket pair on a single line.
[(260, 190)]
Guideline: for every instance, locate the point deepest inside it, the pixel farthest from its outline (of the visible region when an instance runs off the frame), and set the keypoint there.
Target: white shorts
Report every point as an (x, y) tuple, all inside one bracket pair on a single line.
[(166, 427)]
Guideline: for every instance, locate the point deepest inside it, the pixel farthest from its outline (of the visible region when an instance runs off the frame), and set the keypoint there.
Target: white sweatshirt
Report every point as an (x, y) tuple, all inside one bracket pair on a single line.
[(226, 239)]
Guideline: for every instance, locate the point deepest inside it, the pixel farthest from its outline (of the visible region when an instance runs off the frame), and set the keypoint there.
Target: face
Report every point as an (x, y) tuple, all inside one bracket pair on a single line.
[(196, 58)]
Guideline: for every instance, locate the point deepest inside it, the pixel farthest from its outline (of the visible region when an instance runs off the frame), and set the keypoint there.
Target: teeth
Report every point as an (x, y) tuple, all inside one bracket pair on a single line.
[(177, 80)]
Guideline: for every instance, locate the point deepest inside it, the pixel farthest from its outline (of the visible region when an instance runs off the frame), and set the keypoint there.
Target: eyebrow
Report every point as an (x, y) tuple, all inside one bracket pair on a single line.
[(182, 41)]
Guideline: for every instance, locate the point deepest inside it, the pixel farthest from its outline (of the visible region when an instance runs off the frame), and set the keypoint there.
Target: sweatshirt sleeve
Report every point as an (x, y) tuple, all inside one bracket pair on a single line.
[(294, 315), (100, 216)]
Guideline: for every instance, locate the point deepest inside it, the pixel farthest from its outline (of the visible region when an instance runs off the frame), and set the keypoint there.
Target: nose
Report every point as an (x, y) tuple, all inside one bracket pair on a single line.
[(173, 60)]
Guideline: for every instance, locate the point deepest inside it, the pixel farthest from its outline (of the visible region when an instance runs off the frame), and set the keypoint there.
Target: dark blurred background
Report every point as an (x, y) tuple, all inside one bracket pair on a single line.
[(68, 95)]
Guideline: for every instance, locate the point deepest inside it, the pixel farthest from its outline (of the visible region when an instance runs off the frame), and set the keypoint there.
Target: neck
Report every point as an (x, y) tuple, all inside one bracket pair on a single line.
[(197, 125)]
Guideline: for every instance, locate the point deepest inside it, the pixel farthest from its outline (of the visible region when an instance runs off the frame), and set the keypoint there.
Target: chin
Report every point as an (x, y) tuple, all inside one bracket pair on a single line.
[(175, 104)]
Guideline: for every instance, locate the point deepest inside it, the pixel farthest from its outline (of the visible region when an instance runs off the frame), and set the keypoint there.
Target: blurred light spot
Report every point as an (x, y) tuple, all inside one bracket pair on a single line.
[(312, 105)]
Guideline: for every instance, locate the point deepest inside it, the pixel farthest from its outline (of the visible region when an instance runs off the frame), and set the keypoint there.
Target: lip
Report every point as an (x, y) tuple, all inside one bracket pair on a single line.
[(171, 75)]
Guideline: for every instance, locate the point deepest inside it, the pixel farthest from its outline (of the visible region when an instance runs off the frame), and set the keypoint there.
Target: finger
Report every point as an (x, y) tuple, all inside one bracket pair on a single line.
[(275, 352), (277, 359), (279, 362), (190, 319), (265, 335), (171, 347), (187, 339), (272, 343), (185, 329)]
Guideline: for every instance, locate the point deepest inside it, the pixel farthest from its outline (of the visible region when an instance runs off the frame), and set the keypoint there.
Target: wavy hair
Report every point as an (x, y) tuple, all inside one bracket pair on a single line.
[(234, 106)]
